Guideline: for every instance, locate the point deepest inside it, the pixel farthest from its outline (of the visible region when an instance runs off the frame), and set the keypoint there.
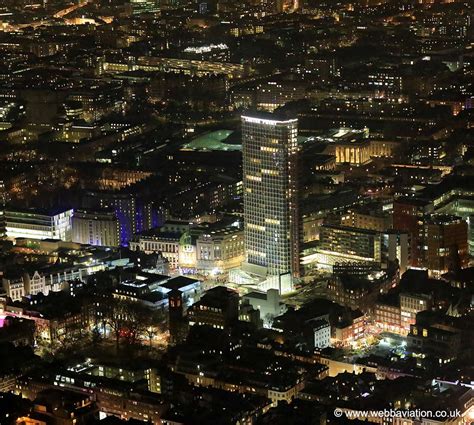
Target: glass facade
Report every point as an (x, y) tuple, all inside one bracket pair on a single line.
[(270, 194)]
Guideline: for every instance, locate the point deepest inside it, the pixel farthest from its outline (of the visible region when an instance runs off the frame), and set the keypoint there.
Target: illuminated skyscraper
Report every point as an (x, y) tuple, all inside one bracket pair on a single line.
[(270, 195)]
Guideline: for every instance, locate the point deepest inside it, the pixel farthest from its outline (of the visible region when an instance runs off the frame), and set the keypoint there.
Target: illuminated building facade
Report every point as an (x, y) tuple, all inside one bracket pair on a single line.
[(370, 220), (38, 225), (341, 246), (133, 213), (96, 228), (186, 66), (355, 153), (167, 243), (322, 334), (387, 317), (270, 195), (348, 330), (410, 305), (220, 250), (351, 243), (2, 224)]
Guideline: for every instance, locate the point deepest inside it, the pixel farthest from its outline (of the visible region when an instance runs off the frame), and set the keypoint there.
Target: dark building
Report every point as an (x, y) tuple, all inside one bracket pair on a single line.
[(178, 325), (61, 407), (218, 307), (408, 216)]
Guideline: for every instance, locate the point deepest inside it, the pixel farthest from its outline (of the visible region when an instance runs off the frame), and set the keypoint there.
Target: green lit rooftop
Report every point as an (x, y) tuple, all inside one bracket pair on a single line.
[(212, 141), (229, 140)]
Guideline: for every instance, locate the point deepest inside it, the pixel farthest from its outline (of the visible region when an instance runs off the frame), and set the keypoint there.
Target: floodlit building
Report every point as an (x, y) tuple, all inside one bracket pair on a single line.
[(410, 306), (270, 196), (96, 228), (219, 250), (37, 224), (351, 243), (322, 334), (167, 243), (269, 304)]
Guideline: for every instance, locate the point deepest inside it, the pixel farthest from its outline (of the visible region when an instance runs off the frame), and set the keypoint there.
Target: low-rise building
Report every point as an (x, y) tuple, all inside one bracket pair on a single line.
[(439, 338), (152, 289), (219, 250), (99, 228), (218, 307), (360, 291), (349, 329), (166, 243), (44, 280), (322, 334), (387, 316), (178, 248), (410, 305), (36, 224), (56, 316), (14, 286), (59, 406), (269, 304)]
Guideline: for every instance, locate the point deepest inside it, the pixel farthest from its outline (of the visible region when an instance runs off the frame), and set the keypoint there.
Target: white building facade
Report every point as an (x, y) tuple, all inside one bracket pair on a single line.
[(271, 222)]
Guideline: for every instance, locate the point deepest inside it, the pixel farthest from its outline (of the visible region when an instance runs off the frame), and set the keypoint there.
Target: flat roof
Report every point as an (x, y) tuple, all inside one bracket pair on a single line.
[(257, 295), (212, 141), (36, 211), (179, 282), (215, 141)]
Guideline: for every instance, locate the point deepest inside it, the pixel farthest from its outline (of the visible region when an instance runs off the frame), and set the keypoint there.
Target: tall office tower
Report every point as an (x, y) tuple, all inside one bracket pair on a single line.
[(271, 232)]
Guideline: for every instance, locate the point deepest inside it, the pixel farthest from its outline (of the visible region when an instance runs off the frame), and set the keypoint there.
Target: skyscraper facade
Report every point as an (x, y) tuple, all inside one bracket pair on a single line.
[(270, 195)]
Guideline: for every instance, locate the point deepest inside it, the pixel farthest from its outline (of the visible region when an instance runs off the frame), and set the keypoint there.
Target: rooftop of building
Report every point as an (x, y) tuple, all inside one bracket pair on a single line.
[(231, 141), (95, 214), (350, 282), (212, 141), (391, 299), (217, 297), (61, 397), (463, 275), (256, 295), (226, 226), (418, 202), (12, 211), (156, 233), (374, 209), (319, 324), (321, 158), (350, 229), (179, 282), (55, 305), (200, 404), (275, 117), (443, 219)]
